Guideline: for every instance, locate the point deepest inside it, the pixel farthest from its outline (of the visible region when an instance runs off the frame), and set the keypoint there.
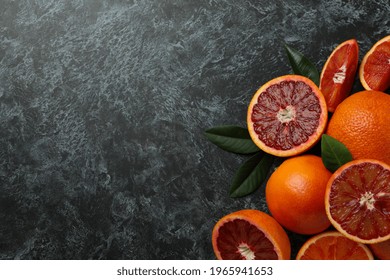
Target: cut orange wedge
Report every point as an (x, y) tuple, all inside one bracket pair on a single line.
[(374, 72), (338, 73)]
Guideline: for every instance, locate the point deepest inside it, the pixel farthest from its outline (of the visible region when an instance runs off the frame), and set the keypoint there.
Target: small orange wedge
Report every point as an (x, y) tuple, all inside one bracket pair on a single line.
[(374, 71), (338, 73)]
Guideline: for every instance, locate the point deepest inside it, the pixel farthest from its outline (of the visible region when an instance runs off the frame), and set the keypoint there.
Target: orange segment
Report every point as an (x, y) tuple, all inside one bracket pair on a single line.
[(333, 245), (374, 72), (357, 200), (338, 73), (287, 115), (250, 235)]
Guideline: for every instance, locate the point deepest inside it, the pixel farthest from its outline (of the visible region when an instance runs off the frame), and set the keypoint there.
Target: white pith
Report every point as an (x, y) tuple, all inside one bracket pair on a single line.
[(368, 200), (246, 252), (380, 194), (287, 114), (339, 77)]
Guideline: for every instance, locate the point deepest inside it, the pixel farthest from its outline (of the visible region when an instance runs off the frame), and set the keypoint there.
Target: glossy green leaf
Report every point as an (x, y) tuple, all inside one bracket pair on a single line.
[(334, 153), (232, 138), (302, 65), (251, 175)]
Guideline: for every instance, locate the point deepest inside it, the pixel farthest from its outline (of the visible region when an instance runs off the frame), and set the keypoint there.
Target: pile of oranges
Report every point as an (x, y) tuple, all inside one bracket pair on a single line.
[(346, 213)]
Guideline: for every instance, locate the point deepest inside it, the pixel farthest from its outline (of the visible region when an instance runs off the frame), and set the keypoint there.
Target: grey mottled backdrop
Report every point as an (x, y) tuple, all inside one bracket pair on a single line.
[(103, 105)]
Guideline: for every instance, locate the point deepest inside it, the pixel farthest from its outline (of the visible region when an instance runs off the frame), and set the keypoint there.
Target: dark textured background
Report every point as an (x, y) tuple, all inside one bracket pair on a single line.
[(103, 105)]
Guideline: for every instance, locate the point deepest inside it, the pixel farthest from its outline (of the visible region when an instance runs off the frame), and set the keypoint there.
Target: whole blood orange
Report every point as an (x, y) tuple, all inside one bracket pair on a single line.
[(357, 200), (333, 245), (381, 250), (338, 73), (374, 71), (362, 123), (250, 235), (295, 194), (287, 115)]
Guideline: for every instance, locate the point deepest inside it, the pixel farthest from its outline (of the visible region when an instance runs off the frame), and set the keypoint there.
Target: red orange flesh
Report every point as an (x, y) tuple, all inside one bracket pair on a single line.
[(287, 115), (357, 200), (333, 245), (381, 250), (374, 72), (250, 235), (338, 73)]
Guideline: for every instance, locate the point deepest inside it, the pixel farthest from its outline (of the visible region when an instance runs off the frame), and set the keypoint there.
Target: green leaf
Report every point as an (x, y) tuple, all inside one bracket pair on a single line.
[(302, 66), (232, 138), (251, 175), (334, 153)]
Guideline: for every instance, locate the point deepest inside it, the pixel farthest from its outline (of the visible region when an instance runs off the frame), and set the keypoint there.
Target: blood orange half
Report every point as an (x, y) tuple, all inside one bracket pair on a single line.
[(357, 200), (338, 73), (333, 245), (374, 71), (287, 115), (250, 235)]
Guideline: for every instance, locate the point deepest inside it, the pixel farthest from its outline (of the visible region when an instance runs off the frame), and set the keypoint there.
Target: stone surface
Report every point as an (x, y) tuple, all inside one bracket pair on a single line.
[(103, 105)]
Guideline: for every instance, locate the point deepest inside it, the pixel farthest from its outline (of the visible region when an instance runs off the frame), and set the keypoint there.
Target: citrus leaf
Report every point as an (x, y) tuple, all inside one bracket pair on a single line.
[(302, 65), (251, 175), (334, 153), (232, 138)]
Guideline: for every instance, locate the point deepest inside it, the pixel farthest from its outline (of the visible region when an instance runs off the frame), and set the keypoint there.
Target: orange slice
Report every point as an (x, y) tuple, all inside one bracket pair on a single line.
[(374, 71), (250, 235), (287, 115), (357, 200), (338, 73), (381, 250), (333, 245)]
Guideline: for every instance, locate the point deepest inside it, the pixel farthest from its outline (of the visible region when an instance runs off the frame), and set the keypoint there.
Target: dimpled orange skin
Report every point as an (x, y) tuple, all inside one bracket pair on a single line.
[(295, 194), (362, 123)]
